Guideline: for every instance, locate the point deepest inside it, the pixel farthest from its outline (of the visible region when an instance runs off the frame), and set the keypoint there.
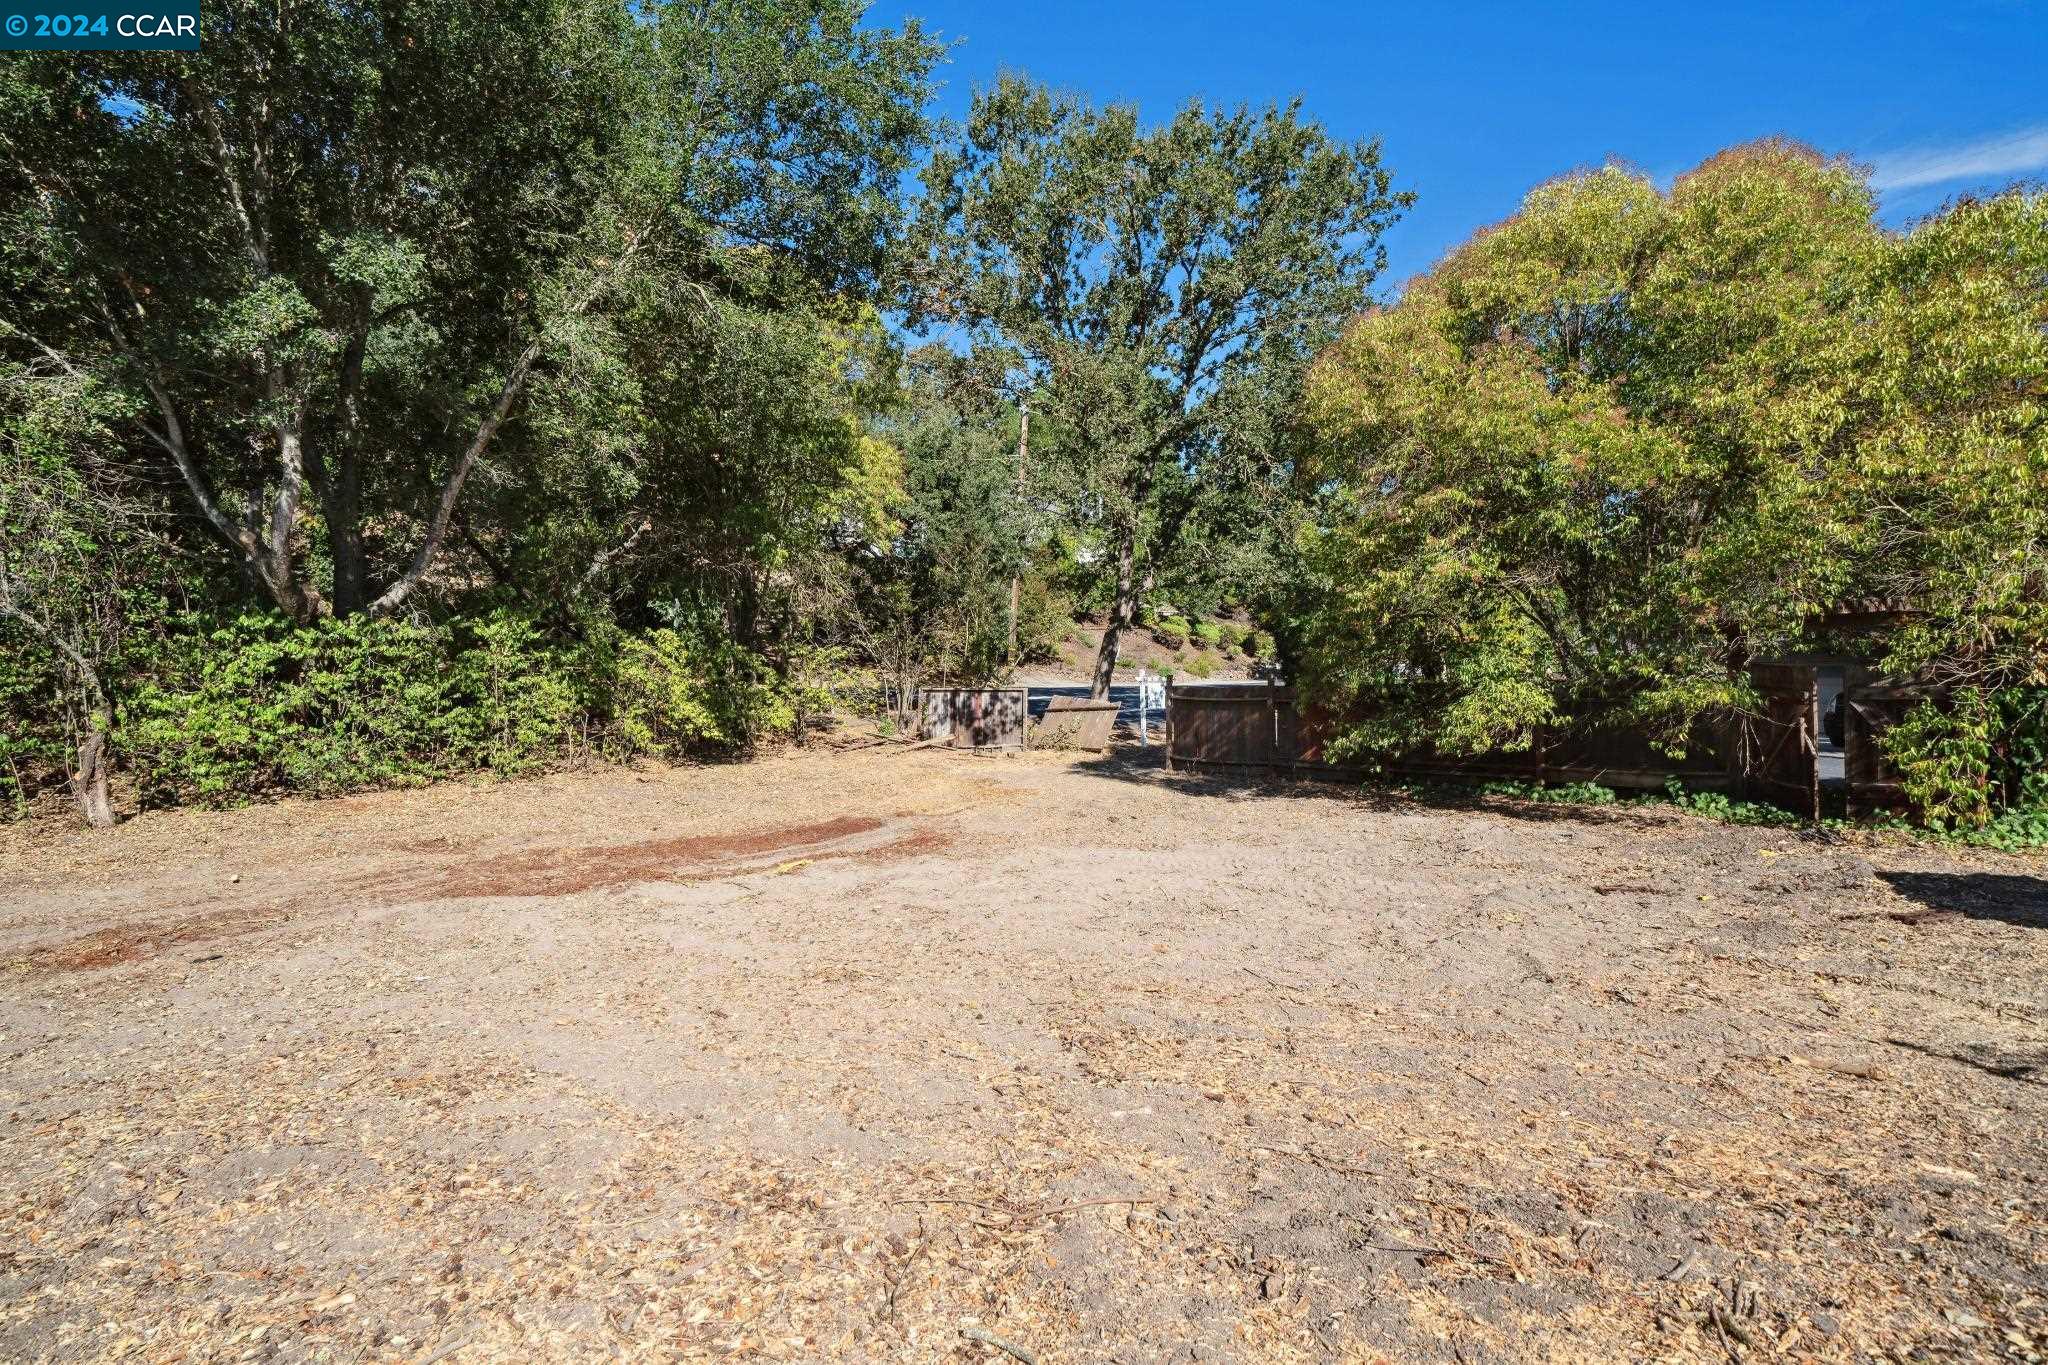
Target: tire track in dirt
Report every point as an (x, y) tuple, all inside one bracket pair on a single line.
[(534, 872)]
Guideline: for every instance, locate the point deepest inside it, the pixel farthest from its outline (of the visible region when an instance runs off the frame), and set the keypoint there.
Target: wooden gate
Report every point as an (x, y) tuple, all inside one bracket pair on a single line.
[(1871, 706), (1778, 751), (1230, 726)]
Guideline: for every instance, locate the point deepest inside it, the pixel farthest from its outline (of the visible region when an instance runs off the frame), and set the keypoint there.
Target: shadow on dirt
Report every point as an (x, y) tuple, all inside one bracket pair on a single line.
[(2005, 897), (2011, 1066), (1146, 765)]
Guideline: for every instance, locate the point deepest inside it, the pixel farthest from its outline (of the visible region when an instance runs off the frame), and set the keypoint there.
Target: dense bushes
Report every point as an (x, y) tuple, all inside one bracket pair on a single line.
[(1171, 632), (31, 737), (258, 706), (1975, 765)]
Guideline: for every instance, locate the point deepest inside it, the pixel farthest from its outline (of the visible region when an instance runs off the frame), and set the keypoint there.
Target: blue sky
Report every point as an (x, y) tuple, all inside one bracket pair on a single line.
[(1477, 102)]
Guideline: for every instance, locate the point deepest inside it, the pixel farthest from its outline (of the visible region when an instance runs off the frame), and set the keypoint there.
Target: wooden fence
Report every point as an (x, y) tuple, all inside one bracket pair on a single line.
[(975, 717), (1772, 755), (1257, 727)]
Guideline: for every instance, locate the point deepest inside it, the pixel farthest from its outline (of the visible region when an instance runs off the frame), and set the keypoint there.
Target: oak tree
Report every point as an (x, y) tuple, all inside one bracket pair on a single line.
[(1143, 278)]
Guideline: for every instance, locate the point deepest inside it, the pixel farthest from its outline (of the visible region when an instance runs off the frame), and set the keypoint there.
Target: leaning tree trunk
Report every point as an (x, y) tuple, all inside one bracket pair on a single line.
[(95, 726), (1122, 612), (95, 760)]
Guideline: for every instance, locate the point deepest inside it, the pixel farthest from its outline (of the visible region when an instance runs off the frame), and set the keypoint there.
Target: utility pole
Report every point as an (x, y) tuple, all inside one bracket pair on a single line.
[(1016, 577)]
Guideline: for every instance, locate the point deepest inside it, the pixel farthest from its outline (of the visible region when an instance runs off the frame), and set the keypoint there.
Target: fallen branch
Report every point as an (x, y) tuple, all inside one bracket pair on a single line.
[(1861, 1073), (1727, 1323), (1070, 1208), (1478, 1256), (982, 1334), (1011, 1217), (921, 744), (450, 1349), (1684, 1268)]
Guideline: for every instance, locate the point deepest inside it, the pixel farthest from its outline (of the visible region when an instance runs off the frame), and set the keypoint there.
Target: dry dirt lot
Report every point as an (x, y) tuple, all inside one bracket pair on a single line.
[(901, 1056)]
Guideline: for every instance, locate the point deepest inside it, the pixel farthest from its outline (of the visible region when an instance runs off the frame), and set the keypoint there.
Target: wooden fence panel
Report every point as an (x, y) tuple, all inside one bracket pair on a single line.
[(1213, 728), (1778, 755), (975, 717)]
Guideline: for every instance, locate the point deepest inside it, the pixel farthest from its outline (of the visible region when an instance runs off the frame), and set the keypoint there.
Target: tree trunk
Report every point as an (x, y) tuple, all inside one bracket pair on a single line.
[(95, 727), (1016, 575), (340, 482), (345, 543), (276, 575), (340, 490), (1122, 612), (95, 758)]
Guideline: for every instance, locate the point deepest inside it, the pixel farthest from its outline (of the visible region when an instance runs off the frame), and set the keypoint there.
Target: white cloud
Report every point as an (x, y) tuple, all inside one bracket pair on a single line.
[(2009, 155)]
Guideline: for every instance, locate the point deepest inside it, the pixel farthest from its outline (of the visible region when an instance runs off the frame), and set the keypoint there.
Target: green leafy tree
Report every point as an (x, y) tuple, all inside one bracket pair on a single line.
[(1582, 468), (329, 254), (80, 552), (1144, 280), (1945, 361), (962, 529), (1621, 445)]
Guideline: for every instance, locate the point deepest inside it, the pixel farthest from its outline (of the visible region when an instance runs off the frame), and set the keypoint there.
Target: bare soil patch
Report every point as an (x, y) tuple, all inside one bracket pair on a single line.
[(566, 871), (894, 1056)]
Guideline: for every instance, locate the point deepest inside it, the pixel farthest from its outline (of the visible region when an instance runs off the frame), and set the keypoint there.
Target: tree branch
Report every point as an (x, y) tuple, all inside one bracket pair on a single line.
[(501, 408), (603, 559), (13, 609)]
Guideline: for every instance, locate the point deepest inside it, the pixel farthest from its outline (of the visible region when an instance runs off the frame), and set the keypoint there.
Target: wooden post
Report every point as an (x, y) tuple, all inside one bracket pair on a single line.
[(1273, 719), (1169, 727)]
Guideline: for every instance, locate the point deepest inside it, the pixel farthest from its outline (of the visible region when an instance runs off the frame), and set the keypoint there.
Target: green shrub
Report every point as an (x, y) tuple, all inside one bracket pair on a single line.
[(1208, 633), (1943, 754), (2016, 830), (1171, 632), (513, 708), (1258, 645), (661, 698), (1044, 618), (1728, 810), (671, 695), (1977, 762), (259, 704), (1562, 794), (32, 741), (1201, 666)]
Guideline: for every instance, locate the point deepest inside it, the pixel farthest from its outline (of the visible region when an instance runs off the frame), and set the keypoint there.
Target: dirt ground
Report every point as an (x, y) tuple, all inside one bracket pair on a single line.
[(890, 1056)]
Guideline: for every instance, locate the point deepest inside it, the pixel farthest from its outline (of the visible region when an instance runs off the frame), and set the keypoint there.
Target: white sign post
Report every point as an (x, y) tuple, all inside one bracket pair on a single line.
[(1151, 693)]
